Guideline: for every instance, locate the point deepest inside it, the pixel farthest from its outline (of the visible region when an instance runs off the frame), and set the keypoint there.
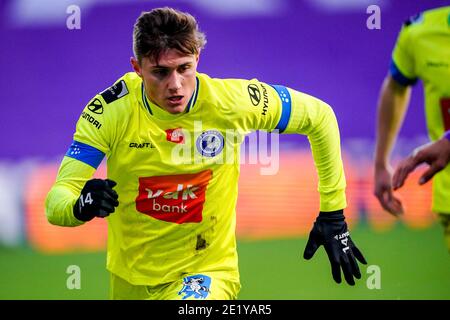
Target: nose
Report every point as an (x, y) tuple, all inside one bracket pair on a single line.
[(174, 82)]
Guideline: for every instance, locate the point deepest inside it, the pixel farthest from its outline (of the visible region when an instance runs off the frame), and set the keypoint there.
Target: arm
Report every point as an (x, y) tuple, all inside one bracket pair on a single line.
[(61, 199), (436, 155), (74, 199), (392, 106), (291, 111), (317, 120)]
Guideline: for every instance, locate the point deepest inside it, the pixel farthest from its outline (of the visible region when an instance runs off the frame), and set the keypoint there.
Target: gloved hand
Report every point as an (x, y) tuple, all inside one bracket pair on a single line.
[(330, 230), (97, 199)]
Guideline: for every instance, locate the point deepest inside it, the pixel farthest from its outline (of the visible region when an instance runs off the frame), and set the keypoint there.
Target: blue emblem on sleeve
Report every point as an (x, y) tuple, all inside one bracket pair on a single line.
[(286, 106), (85, 153), (196, 286)]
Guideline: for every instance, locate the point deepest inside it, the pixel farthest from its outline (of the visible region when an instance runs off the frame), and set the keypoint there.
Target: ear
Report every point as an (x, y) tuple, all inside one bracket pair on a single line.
[(136, 67), (197, 57)]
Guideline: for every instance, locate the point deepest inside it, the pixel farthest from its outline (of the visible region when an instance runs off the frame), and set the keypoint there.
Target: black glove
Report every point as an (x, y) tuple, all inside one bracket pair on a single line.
[(330, 230), (97, 199)]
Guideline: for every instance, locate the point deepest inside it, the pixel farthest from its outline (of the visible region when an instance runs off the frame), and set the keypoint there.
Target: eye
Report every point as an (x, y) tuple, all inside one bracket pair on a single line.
[(159, 72), (184, 68)]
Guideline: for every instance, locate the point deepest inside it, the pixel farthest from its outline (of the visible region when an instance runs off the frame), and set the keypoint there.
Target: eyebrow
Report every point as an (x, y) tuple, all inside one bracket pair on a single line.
[(166, 67)]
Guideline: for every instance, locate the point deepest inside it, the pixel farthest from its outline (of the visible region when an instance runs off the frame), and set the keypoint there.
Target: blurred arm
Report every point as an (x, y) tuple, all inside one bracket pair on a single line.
[(392, 106)]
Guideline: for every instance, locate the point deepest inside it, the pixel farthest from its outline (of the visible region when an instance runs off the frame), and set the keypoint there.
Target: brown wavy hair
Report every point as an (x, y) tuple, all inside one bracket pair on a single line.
[(161, 29)]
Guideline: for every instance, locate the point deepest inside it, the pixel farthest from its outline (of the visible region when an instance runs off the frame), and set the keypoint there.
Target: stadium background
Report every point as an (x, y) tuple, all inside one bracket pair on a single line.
[(321, 47)]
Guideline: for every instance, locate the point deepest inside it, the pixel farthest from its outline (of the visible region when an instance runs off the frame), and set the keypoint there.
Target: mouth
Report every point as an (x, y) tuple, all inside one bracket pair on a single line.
[(175, 100)]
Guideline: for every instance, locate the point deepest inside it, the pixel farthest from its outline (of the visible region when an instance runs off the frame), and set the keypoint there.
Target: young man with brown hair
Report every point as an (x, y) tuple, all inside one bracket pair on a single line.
[(172, 235)]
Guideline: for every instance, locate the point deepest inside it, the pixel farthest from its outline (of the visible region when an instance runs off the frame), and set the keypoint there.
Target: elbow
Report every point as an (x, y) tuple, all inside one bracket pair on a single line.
[(325, 127), (328, 110), (328, 117), (52, 220), (50, 212), (56, 210)]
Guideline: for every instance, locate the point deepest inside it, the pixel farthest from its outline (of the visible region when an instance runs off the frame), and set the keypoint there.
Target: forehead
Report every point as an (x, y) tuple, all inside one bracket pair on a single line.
[(170, 58)]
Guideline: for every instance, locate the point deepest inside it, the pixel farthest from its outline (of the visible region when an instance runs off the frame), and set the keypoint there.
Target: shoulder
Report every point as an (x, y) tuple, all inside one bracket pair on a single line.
[(112, 105), (228, 88), (116, 97), (123, 88), (437, 15), (243, 96), (427, 21), (230, 97), (416, 19), (411, 26), (220, 83)]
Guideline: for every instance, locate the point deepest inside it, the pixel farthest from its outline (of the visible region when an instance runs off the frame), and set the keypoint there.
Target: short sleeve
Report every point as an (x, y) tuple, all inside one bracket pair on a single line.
[(402, 67)]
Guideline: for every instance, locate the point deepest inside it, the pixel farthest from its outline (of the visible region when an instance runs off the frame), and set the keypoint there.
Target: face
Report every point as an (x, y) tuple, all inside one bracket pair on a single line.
[(169, 82)]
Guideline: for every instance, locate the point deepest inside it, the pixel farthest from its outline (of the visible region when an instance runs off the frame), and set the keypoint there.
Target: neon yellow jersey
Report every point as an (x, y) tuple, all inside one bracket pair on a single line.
[(177, 175), (423, 52)]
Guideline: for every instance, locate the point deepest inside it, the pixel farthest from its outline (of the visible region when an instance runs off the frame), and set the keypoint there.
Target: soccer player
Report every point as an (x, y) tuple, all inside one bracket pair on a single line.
[(173, 168), (422, 52)]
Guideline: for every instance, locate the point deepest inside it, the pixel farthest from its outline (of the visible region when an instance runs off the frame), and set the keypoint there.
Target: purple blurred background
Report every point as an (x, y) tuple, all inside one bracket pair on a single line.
[(48, 72)]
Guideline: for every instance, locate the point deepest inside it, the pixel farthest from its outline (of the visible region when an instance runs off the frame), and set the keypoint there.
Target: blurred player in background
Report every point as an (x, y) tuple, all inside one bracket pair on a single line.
[(422, 52), (172, 235)]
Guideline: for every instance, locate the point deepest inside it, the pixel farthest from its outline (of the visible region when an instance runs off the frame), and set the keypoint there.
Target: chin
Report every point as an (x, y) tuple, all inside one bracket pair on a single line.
[(176, 110)]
